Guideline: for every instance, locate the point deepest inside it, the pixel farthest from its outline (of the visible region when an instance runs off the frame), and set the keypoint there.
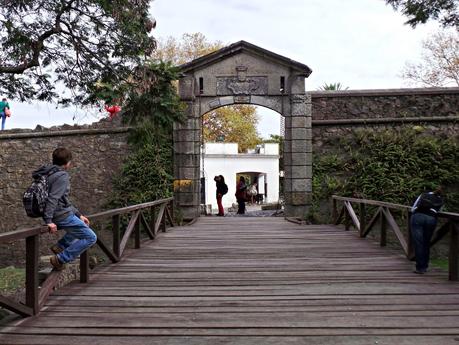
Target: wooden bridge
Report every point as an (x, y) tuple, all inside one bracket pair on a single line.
[(243, 280)]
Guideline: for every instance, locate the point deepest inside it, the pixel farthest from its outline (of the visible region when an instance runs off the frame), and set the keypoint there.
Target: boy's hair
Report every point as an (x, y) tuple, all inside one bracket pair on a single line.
[(61, 156), (4, 99)]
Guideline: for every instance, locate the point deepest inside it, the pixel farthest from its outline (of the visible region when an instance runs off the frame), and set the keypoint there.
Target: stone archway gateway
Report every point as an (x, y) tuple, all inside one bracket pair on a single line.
[(243, 73)]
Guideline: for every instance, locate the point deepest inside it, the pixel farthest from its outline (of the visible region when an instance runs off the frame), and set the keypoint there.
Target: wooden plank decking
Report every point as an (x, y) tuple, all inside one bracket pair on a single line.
[(251, 281)]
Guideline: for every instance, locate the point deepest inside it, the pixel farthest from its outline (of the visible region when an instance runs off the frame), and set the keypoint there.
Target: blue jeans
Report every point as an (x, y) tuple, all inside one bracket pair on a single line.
[(78, 237), (3, 116), (422, 228)]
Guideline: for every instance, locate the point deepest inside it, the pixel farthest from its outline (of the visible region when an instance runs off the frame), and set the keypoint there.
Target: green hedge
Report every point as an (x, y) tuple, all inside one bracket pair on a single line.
[(393, 165)]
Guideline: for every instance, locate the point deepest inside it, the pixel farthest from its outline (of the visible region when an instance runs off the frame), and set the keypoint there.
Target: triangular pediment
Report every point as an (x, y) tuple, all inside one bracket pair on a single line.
[(244, 47)]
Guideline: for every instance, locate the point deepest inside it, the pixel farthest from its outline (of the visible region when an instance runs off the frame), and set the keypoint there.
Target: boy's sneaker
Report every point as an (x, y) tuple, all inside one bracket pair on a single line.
[(56, 249), (56, 263)]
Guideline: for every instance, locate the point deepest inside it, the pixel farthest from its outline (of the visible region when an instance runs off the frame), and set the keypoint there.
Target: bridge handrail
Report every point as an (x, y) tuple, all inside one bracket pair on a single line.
[(384, 217), (36, 297)]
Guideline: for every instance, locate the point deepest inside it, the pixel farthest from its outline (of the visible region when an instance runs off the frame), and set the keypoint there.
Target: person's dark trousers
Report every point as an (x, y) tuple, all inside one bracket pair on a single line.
[(221, 210), (241, 204), (422, 228)]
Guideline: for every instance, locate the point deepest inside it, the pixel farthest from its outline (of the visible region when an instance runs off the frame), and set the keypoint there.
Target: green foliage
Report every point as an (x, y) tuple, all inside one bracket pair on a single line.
[(235, 124), (75, 44), (11, 279), (146, 175), (332, 87), (151, 109), (154, 106), (421, 11), (391, 165)]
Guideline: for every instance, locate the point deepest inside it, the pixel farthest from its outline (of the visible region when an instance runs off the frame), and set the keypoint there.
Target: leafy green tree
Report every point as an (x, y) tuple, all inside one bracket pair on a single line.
[(421, 11), (151, 107), (235, 124), (51, 45), (228, 124), (439, 64), (332, 87)]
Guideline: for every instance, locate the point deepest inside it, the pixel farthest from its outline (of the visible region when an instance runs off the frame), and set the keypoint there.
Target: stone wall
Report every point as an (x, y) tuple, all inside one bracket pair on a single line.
[(336, 114), (98, 151)]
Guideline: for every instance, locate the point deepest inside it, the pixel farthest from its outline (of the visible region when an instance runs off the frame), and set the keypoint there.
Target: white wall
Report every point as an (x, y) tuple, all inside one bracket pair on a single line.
[(229, 165)]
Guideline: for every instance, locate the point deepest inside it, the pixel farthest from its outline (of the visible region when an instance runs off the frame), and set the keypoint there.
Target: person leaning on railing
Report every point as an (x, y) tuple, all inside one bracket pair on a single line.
[(423, 224), (60, 214)]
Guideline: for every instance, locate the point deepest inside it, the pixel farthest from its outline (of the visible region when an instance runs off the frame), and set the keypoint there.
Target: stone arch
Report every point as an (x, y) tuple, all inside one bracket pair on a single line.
[(243, 73)]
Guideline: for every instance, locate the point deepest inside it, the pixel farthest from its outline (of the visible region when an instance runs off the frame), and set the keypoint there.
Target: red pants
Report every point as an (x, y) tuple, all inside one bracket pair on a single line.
[(221, 210)]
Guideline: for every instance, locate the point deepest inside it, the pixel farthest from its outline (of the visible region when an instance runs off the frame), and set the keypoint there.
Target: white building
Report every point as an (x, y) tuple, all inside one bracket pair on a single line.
[(261, 165)]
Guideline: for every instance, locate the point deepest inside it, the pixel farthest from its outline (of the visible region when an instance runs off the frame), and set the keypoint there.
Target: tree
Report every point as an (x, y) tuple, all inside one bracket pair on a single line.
[(332, 87), (190, 47), (228, 124), (421, 11), (439, 64), (235, 124), (49, 45)]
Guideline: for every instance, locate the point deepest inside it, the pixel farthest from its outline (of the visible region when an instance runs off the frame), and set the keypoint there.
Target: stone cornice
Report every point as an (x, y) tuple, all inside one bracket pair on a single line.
[(386, 92), (63, 133)]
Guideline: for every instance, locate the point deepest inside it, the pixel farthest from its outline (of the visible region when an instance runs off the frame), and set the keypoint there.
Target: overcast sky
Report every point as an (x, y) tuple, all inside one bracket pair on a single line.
[(363, 44)]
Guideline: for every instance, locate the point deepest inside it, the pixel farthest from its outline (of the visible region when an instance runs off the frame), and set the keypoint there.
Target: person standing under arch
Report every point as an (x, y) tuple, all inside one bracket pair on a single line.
[(241, 195), (222, 189)]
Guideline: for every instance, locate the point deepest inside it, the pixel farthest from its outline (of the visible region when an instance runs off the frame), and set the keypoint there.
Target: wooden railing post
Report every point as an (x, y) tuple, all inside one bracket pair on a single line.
[(32, 253), (84, 267), (334, 210), (172, 210), (454, 252), (163, 221), (347, 219), (153, 220), (383, 227), (409, 237), (137, 234), (363, 222), (116, 234)]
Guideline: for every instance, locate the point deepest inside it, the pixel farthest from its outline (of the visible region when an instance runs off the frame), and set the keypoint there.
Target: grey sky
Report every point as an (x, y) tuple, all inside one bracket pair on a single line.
[(362, 44)]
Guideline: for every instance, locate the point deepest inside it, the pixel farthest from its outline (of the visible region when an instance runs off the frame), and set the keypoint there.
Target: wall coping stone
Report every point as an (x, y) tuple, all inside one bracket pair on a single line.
[(386, 92), (58, 133), (360, 121)]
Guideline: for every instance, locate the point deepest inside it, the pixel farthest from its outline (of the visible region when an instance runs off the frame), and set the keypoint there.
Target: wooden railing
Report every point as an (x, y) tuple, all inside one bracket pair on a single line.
[(383, 217), (35, 296)]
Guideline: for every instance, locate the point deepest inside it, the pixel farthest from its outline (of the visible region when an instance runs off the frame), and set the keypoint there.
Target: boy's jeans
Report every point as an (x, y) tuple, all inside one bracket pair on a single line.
[(78, 237), (3, 116)]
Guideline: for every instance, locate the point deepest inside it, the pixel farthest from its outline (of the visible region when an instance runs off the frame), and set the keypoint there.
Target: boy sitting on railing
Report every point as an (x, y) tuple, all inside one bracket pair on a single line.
[(60, 214)]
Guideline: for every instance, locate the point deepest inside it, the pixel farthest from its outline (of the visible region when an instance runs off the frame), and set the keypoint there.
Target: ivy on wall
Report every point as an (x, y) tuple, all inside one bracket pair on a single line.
[(151, 110), (393, 165)]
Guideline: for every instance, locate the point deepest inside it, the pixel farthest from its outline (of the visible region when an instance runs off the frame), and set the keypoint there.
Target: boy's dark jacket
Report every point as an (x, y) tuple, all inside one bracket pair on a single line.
[(58, 206)]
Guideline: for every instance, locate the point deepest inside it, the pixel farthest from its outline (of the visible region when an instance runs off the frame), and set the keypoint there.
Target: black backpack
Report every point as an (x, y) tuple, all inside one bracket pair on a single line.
[(428, 201), (224, 189), (35, 197)]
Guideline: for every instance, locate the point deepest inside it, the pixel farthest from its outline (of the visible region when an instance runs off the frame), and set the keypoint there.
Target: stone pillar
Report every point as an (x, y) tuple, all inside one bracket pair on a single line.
[(298, 152), (187, 146)]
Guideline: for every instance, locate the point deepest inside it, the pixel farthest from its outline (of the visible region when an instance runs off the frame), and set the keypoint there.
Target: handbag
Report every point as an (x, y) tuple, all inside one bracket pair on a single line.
[(7, 112)]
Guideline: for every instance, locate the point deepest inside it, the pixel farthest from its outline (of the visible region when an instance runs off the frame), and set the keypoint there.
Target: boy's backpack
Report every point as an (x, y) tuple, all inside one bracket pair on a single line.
[(430, 200), (35, 197), (224, 189)]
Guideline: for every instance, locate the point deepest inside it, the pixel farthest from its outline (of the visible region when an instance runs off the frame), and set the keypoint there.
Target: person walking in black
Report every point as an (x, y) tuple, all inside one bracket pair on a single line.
[(241, 195), (222, 189), (423, 223)]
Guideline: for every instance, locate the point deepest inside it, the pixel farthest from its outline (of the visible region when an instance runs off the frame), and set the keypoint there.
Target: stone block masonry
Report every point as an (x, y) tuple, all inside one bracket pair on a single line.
[(98, 152), (336, 114)]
